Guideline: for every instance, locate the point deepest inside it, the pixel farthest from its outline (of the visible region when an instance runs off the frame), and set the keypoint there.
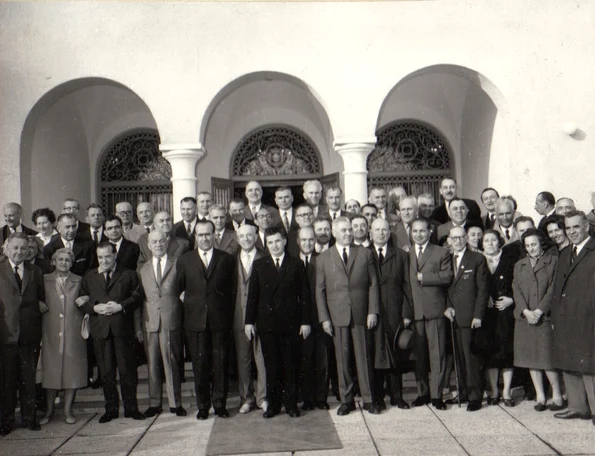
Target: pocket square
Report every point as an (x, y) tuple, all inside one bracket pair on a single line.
[(468, 270), (80, 259)]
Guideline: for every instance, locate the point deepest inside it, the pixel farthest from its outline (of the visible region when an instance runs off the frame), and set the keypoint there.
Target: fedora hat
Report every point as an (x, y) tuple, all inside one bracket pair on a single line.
[(403, 338)]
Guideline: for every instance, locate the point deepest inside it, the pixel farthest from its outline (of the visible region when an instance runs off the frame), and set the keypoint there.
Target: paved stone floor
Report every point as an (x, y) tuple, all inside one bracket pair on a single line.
[(495, 430)]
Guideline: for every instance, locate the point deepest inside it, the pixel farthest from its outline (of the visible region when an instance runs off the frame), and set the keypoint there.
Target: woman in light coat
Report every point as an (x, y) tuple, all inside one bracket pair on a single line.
[(64, 349)]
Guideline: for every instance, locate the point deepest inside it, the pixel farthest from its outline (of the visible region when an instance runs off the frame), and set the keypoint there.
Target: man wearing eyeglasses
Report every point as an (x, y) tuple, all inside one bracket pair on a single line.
[(264, 221), (124, 211), (304, 216), (458, 211)]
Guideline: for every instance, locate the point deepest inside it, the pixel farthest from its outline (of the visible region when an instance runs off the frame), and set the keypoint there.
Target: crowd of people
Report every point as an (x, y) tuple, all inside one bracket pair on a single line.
[(303, 301)]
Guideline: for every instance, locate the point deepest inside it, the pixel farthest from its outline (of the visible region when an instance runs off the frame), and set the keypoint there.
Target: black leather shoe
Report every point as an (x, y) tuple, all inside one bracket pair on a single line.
[(455, 401), (308, 406), (32, 425), (270, 413), (107, 417), (400, 403), (6, 429), (509, 402), (202, 414), (557, 407), (153, 411), (421, 400), (322, 406), (493, 400), (372, 408), (568, 415), (439, 404), (473, 406), (380, 404), (539, 407), (95, 384), (293, 412), (136, 415), (221, 412), (179, 411), (346, 409)]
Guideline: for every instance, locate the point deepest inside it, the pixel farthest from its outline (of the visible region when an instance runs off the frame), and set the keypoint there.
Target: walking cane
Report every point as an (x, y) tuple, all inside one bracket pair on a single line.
[(454, 354)]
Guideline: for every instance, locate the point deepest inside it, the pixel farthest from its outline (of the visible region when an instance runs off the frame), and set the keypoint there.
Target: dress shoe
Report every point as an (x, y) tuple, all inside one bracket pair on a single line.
[(95, 384), (455, 401), (270, 413), (322, 406), (493, 400), (439, 404), (307, 405), (179, 411), (400, 403), (202, 414), (346, 409), (246, 407), (221, 412), (32, 425), (420, 400), (473, 406), (153, 411), (372, 408), (509, 402), (380, 404), (568, 415), (557, 407), (6, 429), (107, 417), (293, 412), (539, 407), (135, 415)]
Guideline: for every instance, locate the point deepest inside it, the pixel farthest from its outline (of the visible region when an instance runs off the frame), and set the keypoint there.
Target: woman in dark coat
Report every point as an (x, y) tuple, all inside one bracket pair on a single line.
[(499, 317), (533, 334)]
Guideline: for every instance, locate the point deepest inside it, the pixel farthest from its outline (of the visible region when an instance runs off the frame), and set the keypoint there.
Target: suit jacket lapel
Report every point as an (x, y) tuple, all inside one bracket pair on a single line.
[(166, 268), (281, 272), (462, 266), (76, 247), (338, 260), (172, 248), (114, 277), (424, 256), (352, 254), (590, 245), (11, 276), (213, 262)]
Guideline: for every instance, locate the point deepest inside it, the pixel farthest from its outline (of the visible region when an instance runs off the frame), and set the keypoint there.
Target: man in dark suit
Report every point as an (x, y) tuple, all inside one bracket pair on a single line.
[(185, 228), (254, 196), (361, 231), (448, 190), (205, 276), (430, 274), (263, 221), (312, 196), (370, 212), (12, 217), (323, 232), (467, 302), (224, 238), (162, 326), (317, 349), (176, 246), (84, 254), (459, 212), (238, 215), (545, 205), (284, 201), (304, 217), (378, 198), (127, 252), (21, 304), (332, 210), (489, 196), (348, 300), (110, 295), (279, 305), (572, 318), (204, 200), (72, 206), (248, 352), (95, 231)]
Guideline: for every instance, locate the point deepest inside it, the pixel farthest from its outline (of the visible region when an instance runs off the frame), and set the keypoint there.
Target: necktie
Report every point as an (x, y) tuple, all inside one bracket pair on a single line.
[(380, 256), (286, 221), (277, 263), (253, 209), (306, 262), (107, 278), (68, 245), (217, 239), (454, 264), (115, 245), (159, 272), (148, 229), (574, 254), (206, 260), (189, 228), (334, 215), (345, 258), (419, 253), (17, 276), (507, 231), (95, 238), (492, 218)]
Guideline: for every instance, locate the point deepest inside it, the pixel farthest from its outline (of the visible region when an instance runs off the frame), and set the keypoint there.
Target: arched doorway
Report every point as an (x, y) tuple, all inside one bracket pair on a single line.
[(410, 154), (274, 155), (132, 169)]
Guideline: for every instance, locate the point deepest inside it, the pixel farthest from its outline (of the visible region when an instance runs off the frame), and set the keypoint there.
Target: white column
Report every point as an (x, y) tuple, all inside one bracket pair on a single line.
[(183, 159), (355, 154)]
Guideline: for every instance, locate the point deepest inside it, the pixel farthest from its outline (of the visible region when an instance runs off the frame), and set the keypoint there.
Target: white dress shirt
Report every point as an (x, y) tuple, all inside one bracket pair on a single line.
[(289, 213), (99, 232), (206, 257), (579, 247), (281, 257), (117, 244), (20, 266), (303, 258), (67, 244), (340, 250), (162, 265), (247, 258)]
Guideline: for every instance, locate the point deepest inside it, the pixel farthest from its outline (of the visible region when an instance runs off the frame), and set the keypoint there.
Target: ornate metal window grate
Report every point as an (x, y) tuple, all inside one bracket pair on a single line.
[(412, 155), (133, 170), (275, 151)]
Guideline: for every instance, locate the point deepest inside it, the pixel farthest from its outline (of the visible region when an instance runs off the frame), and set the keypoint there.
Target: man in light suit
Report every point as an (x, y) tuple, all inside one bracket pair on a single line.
[(176, 246), (572, 318), (185, 228), (22, 299), (248, 352), (145, 214), (545, 205), (12, 217), (348, 301), (430, 273), (254, 196), (225, 238), (312, 195), (467, 303), (124, 211), (205, 276), (408, 212), (162, 326)]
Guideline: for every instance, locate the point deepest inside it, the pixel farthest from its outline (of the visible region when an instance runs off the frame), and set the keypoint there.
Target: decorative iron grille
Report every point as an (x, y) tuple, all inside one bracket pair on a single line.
[(275, 151), (134, 170), (412, 155)]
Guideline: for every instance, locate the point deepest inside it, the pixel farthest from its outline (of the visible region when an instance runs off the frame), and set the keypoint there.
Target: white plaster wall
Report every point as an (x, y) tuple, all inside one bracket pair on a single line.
[(177, 57)]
